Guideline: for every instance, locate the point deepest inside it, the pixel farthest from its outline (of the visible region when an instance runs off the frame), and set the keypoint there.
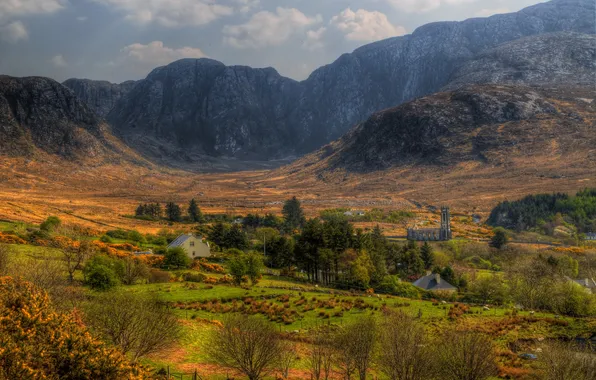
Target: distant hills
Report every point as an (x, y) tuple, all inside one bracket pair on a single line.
[(194, 111)]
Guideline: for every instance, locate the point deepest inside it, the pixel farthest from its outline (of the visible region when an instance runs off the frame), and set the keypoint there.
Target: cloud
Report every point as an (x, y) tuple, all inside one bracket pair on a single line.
[(490, 12), (421, 6), (17, 8), (170, 13), (245, 6), (314, 39), (363, 25), (58, 61), (82, 18), (13, 32), (156, 53), (268, 28)]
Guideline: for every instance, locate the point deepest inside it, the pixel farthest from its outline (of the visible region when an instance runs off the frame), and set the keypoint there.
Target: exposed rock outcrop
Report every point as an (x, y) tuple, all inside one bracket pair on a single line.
[(100, 96)]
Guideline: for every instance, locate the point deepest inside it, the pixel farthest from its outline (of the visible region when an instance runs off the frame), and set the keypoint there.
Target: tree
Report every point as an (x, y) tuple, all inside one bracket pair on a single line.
[(173, 212), (499, 239), (567, 361), (103, 273), (40, 342), (75, 256), (5, 253), (238, 269), (355, 344), (490, 289), (254, 266), (247, 344), (194, 212), (137, 325), (134, 270), (293, 215), (404, 353), (177, 258), (287, 356), (427, 254), (50, 224), (235, 238), (217, 234), (465, 355), (321, 354)]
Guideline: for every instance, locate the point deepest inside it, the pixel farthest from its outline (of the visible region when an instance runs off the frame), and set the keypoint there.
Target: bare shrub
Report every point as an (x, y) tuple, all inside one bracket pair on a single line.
[(75, 255), (247, 344), (5, 253), (321, 354), (404, 354), (465, 355), (134, 270), (568, 361), (355, 345), (158, 276), (287, 357), (138, 325)]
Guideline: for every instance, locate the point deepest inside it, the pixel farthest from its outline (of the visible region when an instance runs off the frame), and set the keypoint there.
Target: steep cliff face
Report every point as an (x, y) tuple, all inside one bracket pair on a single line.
[(100, 96), (39, 115), (200, 106), (195, 107), (486, 124), (546, 59)]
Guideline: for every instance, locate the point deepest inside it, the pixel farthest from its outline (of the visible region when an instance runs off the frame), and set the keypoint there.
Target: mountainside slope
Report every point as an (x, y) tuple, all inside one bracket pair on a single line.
[(100, 96), (193, 108), (39, 115), (491, 125), (552, 58)]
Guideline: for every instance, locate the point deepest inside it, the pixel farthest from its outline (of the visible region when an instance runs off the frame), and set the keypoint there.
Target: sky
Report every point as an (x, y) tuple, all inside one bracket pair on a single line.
[(118, 40)]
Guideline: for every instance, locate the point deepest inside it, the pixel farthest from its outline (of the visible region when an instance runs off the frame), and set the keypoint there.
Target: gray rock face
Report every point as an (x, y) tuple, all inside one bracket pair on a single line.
[(553, 58), (195, 107), (100, 96), (484, 123), (41, 114)]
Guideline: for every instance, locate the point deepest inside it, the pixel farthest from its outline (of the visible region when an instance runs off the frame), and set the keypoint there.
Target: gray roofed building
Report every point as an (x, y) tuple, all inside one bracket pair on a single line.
[(179, 241), (194, 246), (433, 282)]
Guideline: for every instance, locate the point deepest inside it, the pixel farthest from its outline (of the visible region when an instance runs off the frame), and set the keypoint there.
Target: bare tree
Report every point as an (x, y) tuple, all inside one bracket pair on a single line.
[(76, 255), (287, 356), (5, 253), (465, 355), (321, 354), (138, 325), (561, 361), (403, 351), (247, 344), (134, 270), (355, 345)]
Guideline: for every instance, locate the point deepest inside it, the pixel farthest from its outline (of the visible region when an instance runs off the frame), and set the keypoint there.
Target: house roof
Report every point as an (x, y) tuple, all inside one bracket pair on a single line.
[(433, 282), (179, 240)]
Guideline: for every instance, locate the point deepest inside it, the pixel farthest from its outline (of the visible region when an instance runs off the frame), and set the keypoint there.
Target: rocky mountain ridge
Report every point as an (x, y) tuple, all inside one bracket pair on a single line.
[(41, 116), (101, 96), (196, 108)]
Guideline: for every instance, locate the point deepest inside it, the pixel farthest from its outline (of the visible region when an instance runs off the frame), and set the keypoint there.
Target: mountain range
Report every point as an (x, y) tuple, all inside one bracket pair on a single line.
[(194, 111)]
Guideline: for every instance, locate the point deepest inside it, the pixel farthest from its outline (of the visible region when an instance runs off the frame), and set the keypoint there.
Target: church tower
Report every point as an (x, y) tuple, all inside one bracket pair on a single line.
[(445, 224)]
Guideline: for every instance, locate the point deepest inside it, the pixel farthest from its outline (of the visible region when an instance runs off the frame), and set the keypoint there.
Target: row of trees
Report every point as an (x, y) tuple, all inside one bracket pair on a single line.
[(541, 210), (171, 212), (397, 345)]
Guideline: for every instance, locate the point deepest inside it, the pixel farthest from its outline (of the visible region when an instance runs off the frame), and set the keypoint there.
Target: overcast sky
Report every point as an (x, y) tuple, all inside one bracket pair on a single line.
[(117, 40)]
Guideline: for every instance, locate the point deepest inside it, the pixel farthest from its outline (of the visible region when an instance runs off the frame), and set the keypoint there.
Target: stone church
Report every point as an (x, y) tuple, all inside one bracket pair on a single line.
[(433, 234)]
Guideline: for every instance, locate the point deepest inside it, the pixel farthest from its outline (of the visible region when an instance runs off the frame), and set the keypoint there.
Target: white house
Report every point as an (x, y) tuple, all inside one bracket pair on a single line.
[(194, 246)]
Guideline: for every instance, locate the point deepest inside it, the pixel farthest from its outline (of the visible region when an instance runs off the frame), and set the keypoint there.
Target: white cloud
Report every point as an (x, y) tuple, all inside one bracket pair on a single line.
[(314, 39), (245, 6), (421, 6), (18, 8), (58, 61), (490, 12), (363, 25), (170, 13), (13, 32), (82, 18), (268, 28), (156, 53)]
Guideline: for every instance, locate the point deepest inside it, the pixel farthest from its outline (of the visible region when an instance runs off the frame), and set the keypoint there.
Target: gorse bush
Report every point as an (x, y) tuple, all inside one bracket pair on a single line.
[(36, 342)]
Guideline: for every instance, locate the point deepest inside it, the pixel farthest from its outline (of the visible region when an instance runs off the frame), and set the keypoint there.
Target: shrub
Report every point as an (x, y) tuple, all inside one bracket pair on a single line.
[(177, 258), (194, 277), (158, 276), (50, 224), (106, 239)]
